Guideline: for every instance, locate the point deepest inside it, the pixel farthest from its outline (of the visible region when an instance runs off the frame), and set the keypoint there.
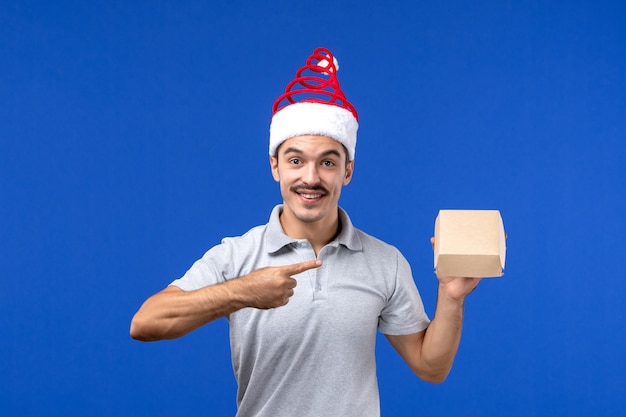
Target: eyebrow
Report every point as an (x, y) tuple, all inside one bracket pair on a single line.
[(291, 149)]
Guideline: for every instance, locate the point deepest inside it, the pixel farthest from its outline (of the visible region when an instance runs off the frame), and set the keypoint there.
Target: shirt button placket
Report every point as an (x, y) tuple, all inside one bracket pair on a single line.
[(306, 250), (320, 288)]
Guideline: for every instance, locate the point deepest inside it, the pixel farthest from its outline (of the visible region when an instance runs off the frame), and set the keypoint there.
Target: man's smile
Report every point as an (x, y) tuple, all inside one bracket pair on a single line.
[(310, 193), (310, 196)]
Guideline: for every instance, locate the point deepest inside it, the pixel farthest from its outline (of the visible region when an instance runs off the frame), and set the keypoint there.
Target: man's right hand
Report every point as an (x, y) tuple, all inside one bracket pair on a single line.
[(272, 286), (172, 312)]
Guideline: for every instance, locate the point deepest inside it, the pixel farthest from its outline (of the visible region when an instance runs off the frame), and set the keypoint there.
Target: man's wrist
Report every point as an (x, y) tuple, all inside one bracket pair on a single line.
[(447, 292)]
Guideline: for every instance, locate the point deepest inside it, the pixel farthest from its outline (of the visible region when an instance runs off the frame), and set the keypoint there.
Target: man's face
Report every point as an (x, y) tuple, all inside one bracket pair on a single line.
[(311, 171)]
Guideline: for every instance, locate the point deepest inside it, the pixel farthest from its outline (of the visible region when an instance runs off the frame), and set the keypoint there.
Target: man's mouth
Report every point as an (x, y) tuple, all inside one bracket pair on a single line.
[(309, 194)]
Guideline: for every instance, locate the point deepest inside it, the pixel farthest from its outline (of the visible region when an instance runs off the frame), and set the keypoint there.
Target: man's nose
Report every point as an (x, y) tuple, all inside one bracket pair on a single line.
[(311, 175)]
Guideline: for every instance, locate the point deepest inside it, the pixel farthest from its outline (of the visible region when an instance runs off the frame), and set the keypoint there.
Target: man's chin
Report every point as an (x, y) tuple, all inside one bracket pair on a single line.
[(309, 213), (308, 217)]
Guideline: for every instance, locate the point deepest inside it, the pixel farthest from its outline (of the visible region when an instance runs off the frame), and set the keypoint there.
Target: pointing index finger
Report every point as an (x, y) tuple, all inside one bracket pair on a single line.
[(294, 269)]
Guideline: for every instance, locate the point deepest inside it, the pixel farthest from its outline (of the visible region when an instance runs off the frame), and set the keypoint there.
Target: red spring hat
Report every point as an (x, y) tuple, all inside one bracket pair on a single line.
[(313, 104)]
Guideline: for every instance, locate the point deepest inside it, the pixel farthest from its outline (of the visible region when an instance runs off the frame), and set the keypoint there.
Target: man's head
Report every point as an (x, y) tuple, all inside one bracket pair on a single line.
[(311, 170), (313, 104)]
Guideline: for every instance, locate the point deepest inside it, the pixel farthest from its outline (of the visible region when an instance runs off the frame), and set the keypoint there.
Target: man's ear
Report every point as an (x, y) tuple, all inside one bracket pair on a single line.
[(274, 165), (349, 171)]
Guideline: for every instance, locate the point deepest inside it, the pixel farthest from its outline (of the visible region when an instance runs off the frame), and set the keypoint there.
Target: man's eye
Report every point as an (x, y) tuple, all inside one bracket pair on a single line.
[(328, 163), (294, 161)]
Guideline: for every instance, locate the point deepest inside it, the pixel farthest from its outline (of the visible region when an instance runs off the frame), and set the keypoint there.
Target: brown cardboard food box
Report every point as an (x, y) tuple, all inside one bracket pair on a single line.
[(469, 243)]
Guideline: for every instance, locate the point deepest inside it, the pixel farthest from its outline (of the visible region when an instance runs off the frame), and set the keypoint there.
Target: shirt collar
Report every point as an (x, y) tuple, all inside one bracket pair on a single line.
[(276, 239)]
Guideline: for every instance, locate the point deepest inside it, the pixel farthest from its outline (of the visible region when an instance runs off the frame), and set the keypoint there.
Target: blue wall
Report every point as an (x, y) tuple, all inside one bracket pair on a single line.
[(133, 136)]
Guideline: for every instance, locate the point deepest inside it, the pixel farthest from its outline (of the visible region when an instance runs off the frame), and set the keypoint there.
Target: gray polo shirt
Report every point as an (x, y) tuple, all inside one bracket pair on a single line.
[(314, 356)]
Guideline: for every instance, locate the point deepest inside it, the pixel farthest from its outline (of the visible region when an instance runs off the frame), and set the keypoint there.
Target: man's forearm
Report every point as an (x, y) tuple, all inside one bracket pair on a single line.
[(443, 335), (172, 313)]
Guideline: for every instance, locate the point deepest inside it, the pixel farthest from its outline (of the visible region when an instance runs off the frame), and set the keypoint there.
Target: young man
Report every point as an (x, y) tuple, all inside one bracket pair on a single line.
[(306, 293)]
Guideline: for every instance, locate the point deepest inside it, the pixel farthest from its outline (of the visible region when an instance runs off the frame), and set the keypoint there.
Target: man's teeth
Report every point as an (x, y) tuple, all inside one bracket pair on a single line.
[(310, 195)]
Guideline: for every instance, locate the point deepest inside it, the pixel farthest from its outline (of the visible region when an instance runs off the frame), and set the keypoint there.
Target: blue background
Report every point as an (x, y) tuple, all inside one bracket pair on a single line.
[(133, 136)]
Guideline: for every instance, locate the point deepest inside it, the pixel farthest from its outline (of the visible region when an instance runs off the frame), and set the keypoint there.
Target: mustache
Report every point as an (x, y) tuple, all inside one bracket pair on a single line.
[(306, 187)]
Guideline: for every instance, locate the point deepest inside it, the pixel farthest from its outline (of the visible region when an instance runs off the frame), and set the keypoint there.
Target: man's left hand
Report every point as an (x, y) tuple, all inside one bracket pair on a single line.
[(456, 288)]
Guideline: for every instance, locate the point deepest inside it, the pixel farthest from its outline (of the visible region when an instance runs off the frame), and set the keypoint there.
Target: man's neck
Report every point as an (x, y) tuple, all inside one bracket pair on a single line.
[(318, 234)]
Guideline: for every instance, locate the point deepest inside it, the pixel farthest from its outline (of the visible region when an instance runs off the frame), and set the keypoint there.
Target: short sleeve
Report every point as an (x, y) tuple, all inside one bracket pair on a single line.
[(211, 269), (404, 312)]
